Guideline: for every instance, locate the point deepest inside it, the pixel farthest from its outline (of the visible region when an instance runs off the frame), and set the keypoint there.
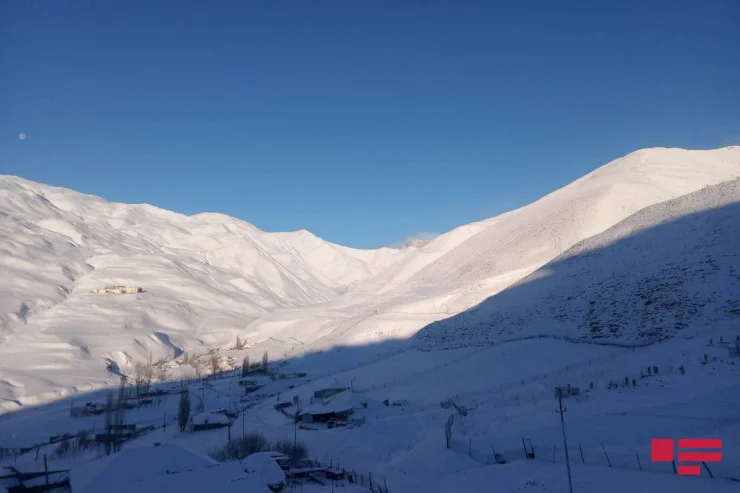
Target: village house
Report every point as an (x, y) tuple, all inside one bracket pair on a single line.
[(117, 290), (338, 409), (208, 421), (335, 388)]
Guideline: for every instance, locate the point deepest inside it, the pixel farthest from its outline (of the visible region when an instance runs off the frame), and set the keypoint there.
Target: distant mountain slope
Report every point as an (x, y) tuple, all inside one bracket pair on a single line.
[(469, 264), (205, 278), (669, 269), (67, 234), (209, 277)]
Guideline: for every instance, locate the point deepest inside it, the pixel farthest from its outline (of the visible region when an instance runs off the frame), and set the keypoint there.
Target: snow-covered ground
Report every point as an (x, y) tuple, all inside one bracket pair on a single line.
[(632, 267)]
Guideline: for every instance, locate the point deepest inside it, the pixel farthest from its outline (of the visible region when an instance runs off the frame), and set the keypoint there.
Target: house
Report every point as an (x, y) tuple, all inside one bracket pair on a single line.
[(328, 392), (336, 387), (337, 409), (88, 409), (250, 386), (208, 421), (283, 376), (566, 391), (229, 413), (14, 481), (118, 290), (262, 465)]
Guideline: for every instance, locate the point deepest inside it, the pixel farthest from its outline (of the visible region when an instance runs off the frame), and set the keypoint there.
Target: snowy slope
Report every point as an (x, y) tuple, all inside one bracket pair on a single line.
[(669, 269), (205, 277), (469, 264), (208, 278)]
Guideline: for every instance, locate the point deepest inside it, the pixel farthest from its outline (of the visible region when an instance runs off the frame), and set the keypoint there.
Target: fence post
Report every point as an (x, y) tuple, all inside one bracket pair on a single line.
[(581, 449), (607, 456)]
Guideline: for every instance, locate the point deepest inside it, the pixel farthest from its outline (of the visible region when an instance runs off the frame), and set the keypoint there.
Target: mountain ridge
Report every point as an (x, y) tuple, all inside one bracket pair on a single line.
[(209, 277)]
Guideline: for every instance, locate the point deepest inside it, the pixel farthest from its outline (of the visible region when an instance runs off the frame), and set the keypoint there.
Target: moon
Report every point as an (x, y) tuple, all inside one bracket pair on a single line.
[(22, 136)]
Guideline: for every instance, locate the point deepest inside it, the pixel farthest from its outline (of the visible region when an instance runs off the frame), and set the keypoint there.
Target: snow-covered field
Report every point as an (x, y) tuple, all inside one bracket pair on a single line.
[(631, 267)]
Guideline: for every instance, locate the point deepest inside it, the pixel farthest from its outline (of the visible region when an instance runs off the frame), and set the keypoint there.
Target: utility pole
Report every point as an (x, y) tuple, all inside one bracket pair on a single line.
[(565, 442), (295, 435)]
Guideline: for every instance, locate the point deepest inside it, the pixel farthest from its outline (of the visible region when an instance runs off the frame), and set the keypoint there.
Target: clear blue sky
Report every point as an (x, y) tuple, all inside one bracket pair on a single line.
[(361, 121)]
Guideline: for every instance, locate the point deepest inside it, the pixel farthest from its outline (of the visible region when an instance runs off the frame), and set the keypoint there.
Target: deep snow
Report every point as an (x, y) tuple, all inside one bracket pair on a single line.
[(633, 266)]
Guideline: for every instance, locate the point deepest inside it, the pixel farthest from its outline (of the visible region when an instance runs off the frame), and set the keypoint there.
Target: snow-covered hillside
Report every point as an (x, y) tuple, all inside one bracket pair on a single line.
[(669, 269), (208, 278), (205, 277), (462, 268)]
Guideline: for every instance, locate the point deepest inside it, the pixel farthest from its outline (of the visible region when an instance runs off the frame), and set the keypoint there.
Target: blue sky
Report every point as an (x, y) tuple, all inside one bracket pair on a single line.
[(361, 121)]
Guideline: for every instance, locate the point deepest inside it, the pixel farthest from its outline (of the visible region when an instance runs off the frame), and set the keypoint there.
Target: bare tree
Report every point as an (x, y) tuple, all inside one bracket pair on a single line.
[(119, 418), (183, 412), (264, 362), (139, 377), (239, 343), (245, 366), (108, 422), (215, 363), (148, 376)]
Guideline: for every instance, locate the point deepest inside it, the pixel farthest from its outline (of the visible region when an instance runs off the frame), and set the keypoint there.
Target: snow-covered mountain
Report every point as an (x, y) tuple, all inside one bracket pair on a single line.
[(670, 268), (208, 278)]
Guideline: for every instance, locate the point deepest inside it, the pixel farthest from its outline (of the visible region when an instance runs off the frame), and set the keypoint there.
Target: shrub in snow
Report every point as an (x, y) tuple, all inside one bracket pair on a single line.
[(295, 450), (241, 447), (655, 370), (682, 370)]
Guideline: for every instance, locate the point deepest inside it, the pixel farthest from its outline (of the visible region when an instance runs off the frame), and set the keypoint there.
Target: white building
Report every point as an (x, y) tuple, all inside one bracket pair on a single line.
[(118, 290)]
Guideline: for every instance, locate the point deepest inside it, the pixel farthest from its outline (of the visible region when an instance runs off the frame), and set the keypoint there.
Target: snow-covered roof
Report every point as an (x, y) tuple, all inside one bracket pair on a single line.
[(223, 478), (262, 465), (210, 418), (133, 464), (343, 402)]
